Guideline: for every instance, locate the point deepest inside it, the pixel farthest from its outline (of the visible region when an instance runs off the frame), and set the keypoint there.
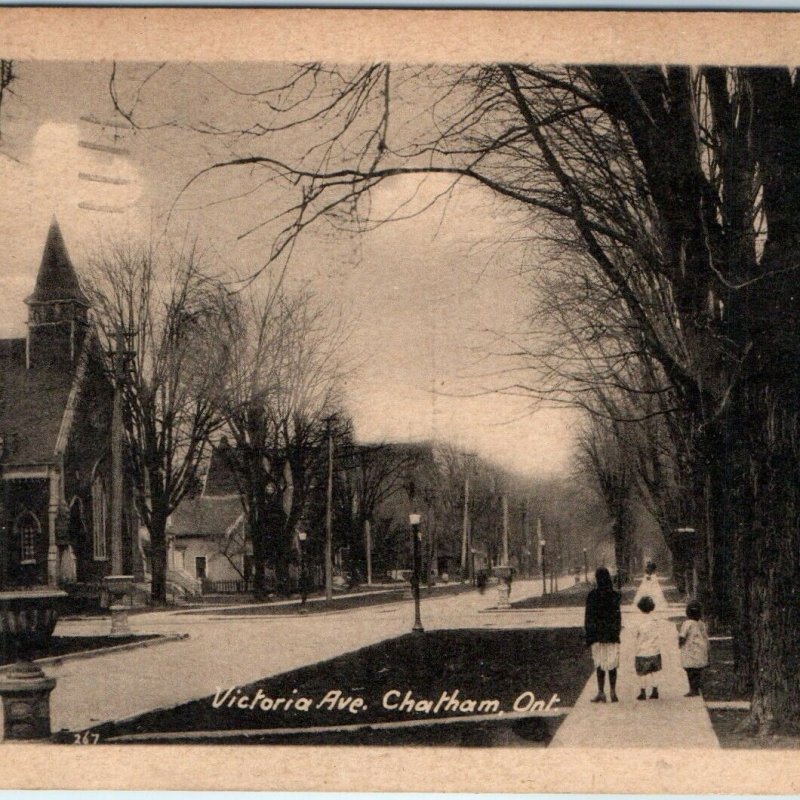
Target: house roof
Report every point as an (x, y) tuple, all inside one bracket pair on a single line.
[(32, 406), (57, 279), (205, 516)]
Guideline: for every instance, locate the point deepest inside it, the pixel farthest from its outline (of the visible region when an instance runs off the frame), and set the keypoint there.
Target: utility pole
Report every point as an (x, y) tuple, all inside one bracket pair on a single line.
[(526, 537), (465, 537), (554, 572), (117, 478), (504, 504), (329, 516), (541, 553), (118, 584), (414, 520), (433, 546), (368, 546)]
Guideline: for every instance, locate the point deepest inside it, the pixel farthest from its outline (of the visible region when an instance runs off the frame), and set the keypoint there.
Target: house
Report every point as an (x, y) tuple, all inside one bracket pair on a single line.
[(56, 408), (207, 547)]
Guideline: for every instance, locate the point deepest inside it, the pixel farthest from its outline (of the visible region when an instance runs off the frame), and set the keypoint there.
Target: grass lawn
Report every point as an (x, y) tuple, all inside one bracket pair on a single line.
[(371, 598), (482, 665), (718, 679), (672, 595), (573, 597), (67, 645), (719, 684), (246, 598), (728, 727)]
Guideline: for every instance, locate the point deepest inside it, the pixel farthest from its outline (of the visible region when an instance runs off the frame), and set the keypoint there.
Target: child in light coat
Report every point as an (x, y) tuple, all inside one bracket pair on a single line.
[(693, 641), (648, 650)]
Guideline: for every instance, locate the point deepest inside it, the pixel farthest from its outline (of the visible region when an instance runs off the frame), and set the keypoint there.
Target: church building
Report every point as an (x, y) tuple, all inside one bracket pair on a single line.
[(56, 409)]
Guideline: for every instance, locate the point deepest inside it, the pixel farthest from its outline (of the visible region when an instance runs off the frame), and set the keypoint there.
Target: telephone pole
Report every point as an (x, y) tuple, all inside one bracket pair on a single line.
[(542, 551), (504, 503), (117, 433), (368, 547), (465, 532), (329, 516)]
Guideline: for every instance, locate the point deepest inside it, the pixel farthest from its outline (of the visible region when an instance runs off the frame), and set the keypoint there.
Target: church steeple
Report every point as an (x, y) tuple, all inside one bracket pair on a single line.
[(57, 309), (56, 280)]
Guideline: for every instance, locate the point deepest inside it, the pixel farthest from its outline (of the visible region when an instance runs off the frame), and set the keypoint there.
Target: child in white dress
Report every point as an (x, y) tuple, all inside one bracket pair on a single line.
[(693, 641), (648, 649)]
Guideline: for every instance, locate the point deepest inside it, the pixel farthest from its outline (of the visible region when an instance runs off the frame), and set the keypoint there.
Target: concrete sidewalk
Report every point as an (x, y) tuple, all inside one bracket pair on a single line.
[(671, 721)]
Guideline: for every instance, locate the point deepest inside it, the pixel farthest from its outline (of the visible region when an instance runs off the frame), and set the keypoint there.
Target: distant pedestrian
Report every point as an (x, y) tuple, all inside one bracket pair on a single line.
[(603, 623), (293, 578), (648, 650), (693, 641)]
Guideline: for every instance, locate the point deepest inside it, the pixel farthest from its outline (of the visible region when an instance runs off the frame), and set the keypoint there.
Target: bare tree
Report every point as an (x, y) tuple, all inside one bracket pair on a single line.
[(679, 187), (368, 475), (166, 310), (605, 455), (283, 381)]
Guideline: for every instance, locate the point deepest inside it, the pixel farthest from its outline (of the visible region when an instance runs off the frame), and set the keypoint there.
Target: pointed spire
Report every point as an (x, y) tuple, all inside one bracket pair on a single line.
[(57, 279)]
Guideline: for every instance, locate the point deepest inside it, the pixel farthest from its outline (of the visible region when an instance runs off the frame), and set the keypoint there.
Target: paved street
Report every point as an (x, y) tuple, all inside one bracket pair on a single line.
[(224, 651)]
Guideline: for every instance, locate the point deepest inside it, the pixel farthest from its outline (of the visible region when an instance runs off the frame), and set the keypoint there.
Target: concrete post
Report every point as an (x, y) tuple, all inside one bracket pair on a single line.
[(119, 587), (503, 592), (503, 573), (25, 692)]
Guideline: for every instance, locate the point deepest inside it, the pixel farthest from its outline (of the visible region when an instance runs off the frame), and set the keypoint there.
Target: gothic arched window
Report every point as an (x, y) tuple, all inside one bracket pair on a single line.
[(99, 517), (27, 527)]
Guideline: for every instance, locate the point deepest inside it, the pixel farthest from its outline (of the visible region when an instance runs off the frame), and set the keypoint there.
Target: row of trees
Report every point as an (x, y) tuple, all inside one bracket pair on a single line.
[(663, 201), (261, 367), (466, 501), (260, 372)]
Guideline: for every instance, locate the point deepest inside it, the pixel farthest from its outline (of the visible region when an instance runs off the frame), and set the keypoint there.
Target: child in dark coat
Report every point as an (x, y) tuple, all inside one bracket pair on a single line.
[(603, 623)]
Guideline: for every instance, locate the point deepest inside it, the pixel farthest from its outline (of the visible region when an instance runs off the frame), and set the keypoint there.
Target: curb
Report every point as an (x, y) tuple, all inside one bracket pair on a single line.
[(100, 651), (728, 705), (362, 727)]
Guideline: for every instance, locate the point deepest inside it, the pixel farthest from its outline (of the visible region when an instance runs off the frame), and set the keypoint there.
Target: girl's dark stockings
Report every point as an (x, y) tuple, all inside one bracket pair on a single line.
[(612, 682)]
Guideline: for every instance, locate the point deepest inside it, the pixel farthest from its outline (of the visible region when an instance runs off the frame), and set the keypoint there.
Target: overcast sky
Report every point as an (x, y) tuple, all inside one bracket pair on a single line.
[(427, 295)]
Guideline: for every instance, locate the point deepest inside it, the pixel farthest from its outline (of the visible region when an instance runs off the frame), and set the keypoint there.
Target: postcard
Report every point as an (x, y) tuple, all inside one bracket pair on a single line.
[(399, 400)]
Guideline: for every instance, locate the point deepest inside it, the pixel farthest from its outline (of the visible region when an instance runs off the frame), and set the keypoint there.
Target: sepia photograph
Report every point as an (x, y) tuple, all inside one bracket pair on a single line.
[(399, 405)]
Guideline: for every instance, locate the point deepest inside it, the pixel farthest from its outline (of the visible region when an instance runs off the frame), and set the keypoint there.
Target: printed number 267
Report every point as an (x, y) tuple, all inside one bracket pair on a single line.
[(86, 738)]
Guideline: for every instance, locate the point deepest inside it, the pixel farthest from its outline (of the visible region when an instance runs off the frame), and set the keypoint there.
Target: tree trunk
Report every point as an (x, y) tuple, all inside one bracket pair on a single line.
[(622, 533), (257, 533), (158, 560), (774, 573)]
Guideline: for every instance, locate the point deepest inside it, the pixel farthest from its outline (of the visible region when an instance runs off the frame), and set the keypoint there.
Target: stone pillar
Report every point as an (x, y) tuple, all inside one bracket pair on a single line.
[(25, 692), (120, 626), (119, 587), (503, 574), (503, 592)]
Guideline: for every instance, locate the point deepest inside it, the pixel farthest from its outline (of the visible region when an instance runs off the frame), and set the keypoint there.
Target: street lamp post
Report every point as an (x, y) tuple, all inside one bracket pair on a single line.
[(585, 565), (542, 544), (414, 520), (301, 538)]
